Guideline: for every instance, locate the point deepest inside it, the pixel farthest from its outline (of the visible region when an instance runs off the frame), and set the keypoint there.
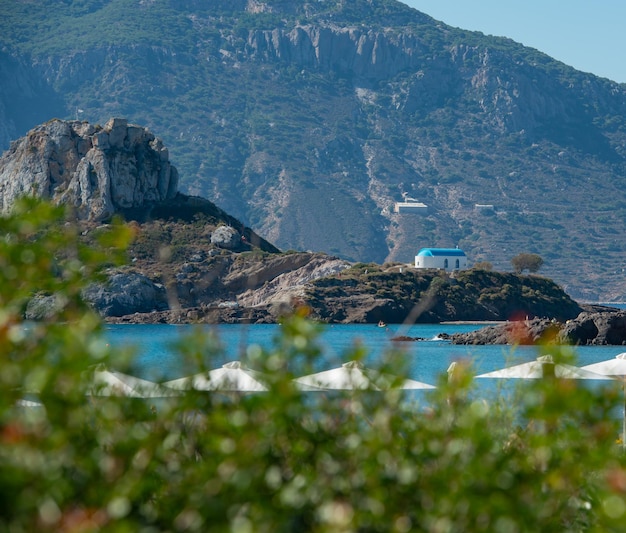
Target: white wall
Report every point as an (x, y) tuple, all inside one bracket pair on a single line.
[(439, 261)]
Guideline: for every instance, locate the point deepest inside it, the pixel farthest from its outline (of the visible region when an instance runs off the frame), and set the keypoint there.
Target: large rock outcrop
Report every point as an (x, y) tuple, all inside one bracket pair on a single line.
[(522, 332), (96, 170), (126, 293), (595, 328), (606, 327)]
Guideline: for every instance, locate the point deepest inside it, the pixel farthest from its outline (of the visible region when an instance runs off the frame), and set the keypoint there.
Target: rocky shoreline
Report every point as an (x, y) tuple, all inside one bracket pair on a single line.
[(352, 296), (597, 327)]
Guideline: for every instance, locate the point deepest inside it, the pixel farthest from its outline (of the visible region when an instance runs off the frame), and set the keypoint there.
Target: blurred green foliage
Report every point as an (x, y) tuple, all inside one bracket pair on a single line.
[(284, 460)]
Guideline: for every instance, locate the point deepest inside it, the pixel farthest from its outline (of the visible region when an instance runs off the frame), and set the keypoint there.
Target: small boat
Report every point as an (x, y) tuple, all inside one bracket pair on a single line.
[(381, 324)]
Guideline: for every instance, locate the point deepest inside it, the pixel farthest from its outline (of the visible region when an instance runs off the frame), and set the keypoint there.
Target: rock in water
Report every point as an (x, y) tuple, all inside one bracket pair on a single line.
[(96, 170)]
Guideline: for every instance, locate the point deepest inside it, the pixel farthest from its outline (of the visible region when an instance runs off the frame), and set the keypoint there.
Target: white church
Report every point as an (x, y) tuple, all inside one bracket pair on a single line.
[(446, 258)]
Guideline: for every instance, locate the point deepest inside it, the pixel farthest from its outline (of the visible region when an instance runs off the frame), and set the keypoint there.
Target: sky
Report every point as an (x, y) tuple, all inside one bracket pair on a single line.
[(589, 35)]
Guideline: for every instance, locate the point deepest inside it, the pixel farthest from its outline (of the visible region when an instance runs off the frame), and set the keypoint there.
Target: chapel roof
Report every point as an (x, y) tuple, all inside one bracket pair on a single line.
[(433, 252)]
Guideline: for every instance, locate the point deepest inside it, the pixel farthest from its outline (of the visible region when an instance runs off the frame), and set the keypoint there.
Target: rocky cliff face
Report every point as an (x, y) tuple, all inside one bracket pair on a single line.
[(368, 54), (508, 103), (97, 171)]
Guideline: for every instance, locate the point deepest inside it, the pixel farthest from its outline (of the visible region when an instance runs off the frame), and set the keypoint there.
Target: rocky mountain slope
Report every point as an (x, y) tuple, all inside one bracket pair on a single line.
[(308, 121)]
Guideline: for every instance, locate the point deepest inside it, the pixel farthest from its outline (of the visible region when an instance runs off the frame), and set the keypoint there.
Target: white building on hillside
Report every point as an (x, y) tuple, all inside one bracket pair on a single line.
[(412, 206), (446, 258)]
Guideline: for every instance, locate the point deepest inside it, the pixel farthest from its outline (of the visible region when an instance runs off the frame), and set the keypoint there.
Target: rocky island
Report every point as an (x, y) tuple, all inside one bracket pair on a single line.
[(192, 262)]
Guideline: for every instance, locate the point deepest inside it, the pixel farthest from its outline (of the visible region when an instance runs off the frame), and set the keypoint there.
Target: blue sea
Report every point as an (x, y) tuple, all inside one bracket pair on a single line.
[(157, 349)]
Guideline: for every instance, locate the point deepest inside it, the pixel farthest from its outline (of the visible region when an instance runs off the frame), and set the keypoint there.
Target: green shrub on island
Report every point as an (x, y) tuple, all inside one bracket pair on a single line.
[(282, 460)]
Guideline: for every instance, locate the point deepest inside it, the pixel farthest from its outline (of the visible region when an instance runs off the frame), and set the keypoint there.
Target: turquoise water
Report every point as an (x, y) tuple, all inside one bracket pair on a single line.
[(158, 359)]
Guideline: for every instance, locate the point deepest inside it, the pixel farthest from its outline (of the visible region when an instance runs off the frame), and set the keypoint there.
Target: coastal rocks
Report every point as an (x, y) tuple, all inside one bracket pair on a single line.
[(200, 315), (595, 328), (98, 171), (599, 328), (582, 330), (125, 294), (524, 332)]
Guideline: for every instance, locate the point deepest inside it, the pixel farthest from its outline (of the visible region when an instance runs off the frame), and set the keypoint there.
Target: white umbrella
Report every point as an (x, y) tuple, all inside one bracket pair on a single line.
[(611, 367), (112, 383), (615, 368), (28, 403), (543, 367), (233, 377), (354, 376)]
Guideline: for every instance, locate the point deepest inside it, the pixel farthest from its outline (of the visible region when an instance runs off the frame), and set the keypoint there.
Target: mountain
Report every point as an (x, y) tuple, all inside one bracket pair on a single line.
[(308, 121)]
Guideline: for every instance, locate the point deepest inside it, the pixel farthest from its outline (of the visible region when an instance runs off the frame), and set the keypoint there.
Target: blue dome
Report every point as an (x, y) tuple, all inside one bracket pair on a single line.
[(433, 252)]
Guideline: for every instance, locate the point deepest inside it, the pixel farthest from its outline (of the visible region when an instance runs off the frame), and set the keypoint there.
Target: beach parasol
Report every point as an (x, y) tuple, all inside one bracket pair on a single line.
[(615, 368), (543, 367), (354, 376), (28, 403), (112, 383), (231, 377)]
